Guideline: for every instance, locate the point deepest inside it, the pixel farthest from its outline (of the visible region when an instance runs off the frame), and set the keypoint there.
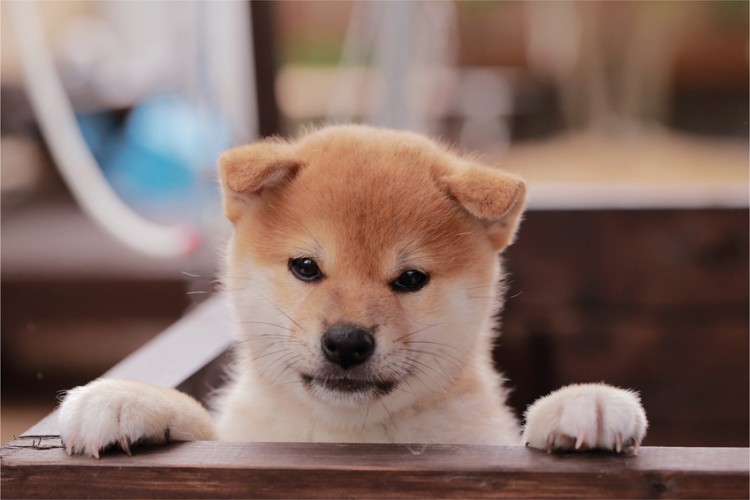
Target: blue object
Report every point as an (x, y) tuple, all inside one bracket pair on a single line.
[(161, 159)]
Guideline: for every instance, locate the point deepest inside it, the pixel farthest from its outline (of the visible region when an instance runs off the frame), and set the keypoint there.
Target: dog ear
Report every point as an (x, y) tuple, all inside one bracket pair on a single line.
[(493, 196), (247, 170)]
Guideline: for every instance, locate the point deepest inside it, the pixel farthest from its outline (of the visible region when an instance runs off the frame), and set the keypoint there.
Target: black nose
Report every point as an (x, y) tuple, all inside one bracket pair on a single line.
[(347, 345)]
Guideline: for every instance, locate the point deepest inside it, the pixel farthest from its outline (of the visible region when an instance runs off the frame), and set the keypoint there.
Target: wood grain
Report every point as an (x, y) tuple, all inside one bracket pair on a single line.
[(39, 468)]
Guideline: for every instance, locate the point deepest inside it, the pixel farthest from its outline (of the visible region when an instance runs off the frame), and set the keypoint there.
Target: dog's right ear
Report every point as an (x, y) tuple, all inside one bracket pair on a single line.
[(493, 196), (247, 170)]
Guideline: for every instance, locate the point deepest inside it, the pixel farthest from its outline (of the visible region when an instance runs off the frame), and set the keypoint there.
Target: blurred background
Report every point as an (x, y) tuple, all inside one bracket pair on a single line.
[(629, 120)]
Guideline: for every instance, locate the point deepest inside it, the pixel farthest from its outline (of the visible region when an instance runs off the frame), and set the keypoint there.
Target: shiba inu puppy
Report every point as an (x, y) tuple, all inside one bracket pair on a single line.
[(364, 275)]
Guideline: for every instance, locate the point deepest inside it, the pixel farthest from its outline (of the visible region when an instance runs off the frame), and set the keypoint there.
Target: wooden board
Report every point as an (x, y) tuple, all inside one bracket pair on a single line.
[(39, 468)]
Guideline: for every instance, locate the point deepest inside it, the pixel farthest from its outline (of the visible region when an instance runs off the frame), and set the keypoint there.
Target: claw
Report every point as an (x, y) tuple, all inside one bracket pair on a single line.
[(581, 438), (632, 446), (125, 445), (95, 451), (618, 442), (550, 442), (636, 447), (69, 448)]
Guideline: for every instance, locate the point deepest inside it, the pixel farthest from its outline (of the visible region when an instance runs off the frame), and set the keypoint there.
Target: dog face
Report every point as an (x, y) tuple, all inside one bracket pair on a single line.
[(363, 264)]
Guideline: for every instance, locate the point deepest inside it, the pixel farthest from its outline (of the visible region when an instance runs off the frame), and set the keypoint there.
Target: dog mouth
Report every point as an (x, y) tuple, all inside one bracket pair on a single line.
[(353, 386)]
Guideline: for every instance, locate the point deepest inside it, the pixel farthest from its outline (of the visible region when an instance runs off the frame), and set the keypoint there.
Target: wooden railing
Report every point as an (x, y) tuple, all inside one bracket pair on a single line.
[(188, 356)]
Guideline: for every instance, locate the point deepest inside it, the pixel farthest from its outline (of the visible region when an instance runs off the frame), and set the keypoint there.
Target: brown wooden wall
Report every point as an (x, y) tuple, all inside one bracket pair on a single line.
[(656, 300)]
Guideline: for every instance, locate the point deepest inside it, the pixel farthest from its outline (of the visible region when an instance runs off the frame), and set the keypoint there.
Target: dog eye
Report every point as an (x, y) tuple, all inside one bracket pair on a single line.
[(410, 281), (305, 269)]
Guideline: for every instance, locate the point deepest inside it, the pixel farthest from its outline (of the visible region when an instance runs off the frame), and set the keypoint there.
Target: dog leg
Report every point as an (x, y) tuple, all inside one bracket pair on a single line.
[(119, 412), (586, 416)]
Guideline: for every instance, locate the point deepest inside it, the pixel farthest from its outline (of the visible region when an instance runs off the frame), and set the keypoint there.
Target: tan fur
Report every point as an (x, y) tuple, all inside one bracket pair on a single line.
[(366, 205), (375, 188)]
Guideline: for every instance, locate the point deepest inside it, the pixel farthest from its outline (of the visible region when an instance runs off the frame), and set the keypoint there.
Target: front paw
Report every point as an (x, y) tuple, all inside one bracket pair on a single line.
[(586, 416), (119, 412)]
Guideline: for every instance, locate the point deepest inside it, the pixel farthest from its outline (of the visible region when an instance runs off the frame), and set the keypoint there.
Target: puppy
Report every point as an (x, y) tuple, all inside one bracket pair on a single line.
[(364, 276)]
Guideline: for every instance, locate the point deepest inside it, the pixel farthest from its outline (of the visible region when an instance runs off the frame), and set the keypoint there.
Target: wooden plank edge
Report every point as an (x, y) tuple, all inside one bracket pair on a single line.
[(188, 345), (38, 467)]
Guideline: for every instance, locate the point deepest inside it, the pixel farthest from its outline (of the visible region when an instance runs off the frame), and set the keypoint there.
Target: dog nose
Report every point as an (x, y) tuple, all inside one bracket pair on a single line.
[(347, 345)]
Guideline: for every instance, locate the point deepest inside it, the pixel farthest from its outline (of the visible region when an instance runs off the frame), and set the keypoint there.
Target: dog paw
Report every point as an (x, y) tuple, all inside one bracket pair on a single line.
[(108, 413), (586, 416)]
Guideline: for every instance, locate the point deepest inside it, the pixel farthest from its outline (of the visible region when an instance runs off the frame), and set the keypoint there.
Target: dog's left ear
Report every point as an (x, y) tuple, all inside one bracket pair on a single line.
[(245, 172), (494, 197)]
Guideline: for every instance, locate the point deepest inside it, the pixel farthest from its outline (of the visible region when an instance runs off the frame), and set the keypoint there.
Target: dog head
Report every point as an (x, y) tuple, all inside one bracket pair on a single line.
[(363, 264)]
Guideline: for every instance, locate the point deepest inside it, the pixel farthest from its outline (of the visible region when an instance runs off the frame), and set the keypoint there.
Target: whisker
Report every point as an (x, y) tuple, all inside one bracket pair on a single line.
[(451, 359), (285, 314), (315, 240), (432, 342), (265, 323), (224, 289), (416, 374), (416, 361), (272, 364), (417, 331), (274, 340), (389, 413), (265, 354), (367, 413), (401, 371), (289, 364), (283, 361)]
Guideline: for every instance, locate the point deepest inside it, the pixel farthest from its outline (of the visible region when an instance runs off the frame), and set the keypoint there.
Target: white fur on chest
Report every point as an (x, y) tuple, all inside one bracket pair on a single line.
[(253, 412)]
